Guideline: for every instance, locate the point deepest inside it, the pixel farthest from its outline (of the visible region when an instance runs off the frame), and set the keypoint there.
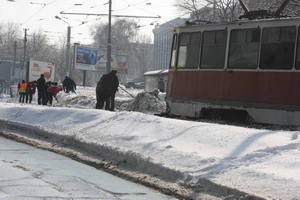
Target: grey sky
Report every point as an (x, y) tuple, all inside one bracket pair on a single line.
[(40, 14)]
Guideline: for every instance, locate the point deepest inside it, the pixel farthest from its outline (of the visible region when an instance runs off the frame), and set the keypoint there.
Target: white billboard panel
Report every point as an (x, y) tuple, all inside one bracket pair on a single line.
[(118, 61), (36, 68)]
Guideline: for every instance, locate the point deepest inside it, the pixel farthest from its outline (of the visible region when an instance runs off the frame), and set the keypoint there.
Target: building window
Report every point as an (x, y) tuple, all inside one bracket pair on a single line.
[(213, 49), (244, 49), (278, 46), (189, 47)]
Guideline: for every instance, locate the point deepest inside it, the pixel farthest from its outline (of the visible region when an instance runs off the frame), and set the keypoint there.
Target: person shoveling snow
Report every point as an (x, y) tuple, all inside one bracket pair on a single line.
[(53, 91)]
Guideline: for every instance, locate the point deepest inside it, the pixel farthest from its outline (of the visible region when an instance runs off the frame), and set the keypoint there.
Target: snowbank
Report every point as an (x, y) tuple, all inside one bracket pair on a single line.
[(261, 162), (147, 103)]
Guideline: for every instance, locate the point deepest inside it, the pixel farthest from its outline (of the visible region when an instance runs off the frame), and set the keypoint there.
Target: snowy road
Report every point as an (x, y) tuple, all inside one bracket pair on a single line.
[(29, 173)]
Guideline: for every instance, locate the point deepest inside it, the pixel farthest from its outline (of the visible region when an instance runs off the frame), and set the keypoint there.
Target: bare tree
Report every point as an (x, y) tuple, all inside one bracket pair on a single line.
[(37, 46), (292, 9), (9, 33), (123, 31), (230, 10), (126, 42), (144, 54), (211, 10)]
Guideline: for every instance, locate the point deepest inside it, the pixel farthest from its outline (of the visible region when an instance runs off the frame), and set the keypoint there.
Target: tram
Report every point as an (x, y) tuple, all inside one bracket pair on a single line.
[(248, 67)]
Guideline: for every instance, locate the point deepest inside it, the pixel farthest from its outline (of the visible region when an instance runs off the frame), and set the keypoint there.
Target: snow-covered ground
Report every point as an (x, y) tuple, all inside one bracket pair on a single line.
[(262, 162)]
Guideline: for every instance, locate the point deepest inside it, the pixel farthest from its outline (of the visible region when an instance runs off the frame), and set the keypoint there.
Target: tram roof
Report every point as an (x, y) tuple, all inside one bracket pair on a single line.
[(286, 21)]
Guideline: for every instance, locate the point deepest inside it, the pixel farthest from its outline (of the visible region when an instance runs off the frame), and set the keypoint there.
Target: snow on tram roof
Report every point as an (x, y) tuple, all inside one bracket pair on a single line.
[(195, 24), (156, 72)]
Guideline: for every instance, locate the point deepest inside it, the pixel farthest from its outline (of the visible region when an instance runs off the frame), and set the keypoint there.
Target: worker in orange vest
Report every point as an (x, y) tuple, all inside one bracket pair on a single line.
[(22, 91)]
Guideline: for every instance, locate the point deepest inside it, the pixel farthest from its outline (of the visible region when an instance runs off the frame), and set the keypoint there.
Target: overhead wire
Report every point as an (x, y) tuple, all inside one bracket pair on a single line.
[(131, 5), (33, 15), (140, 8), (44, 5)]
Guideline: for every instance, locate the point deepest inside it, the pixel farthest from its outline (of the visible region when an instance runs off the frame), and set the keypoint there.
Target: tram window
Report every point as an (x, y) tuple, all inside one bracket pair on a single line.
[(278, 46), (173, 53), (298, 51), (244, 46), (213, 49), (189, 47)]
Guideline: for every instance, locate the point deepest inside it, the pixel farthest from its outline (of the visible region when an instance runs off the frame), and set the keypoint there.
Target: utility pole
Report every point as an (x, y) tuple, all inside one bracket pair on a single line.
[(68, 68), (108, 60), (68, 51), (24, 55)]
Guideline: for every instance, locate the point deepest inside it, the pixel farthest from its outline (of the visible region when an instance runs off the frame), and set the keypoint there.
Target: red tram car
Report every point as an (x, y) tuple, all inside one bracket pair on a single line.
[(251, 66)]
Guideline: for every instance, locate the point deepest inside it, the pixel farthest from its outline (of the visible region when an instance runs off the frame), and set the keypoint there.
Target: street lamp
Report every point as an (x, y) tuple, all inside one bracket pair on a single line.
[(68, 45)]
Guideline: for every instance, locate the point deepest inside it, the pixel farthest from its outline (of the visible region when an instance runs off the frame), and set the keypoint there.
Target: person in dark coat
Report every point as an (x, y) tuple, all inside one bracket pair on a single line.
[(113, 84), (69, 85), (30, 90), (41, 87), (47, 94), (106, 90), (101, 92)]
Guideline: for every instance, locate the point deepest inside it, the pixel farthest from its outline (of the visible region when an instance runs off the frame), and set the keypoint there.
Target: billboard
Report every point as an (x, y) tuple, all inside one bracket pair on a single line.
[(118, 61), (85, 58), (36, 68)]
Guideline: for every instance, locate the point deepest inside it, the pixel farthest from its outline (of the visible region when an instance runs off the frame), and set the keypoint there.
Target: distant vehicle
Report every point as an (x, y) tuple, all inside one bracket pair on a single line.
[(247, 68), (139, 85)]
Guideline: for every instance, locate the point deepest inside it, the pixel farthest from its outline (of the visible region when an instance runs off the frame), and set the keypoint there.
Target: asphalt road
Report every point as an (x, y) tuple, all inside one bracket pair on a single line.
[(27, 173)]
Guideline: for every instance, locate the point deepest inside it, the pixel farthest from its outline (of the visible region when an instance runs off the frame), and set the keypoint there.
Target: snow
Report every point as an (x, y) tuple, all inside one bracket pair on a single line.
[(261, 162)]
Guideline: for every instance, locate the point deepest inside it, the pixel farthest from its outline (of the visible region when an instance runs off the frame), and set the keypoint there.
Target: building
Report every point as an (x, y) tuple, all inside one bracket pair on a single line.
[(9, 74), (163, 35)]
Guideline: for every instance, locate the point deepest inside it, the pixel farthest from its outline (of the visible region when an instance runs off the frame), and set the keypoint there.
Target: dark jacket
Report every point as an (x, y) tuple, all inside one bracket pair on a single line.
[(69, 84), (108, 84), (30, 89), (102, 85), (41, 84), (113, 82)]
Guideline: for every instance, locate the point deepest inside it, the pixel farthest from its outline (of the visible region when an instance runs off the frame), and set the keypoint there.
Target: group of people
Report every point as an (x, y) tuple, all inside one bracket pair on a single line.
[(106, 90), (46, 90), (26, 90)]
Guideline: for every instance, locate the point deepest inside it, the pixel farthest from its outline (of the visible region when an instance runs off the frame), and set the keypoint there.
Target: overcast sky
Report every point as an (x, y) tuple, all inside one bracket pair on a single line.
[(40, 14)]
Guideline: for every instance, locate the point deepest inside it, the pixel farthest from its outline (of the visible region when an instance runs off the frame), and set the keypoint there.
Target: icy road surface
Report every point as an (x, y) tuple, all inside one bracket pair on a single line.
[(29, 173)]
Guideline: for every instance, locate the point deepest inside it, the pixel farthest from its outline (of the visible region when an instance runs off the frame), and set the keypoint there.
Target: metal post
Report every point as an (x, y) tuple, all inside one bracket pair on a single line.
[(24, 55), (15, 60), (108, 62), (27, 71), (68, 68), (84, 77)]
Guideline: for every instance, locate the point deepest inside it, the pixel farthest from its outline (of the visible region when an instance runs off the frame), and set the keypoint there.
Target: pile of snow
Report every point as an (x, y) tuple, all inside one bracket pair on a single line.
[(85, 97), (147, 103), (126, 99), (257, 161), (77, 101), (4, 96)]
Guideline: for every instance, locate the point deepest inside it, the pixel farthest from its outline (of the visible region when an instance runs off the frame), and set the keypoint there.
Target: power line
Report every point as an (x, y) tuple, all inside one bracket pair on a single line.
[(131, 5), (33, 15), (95, 14)]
